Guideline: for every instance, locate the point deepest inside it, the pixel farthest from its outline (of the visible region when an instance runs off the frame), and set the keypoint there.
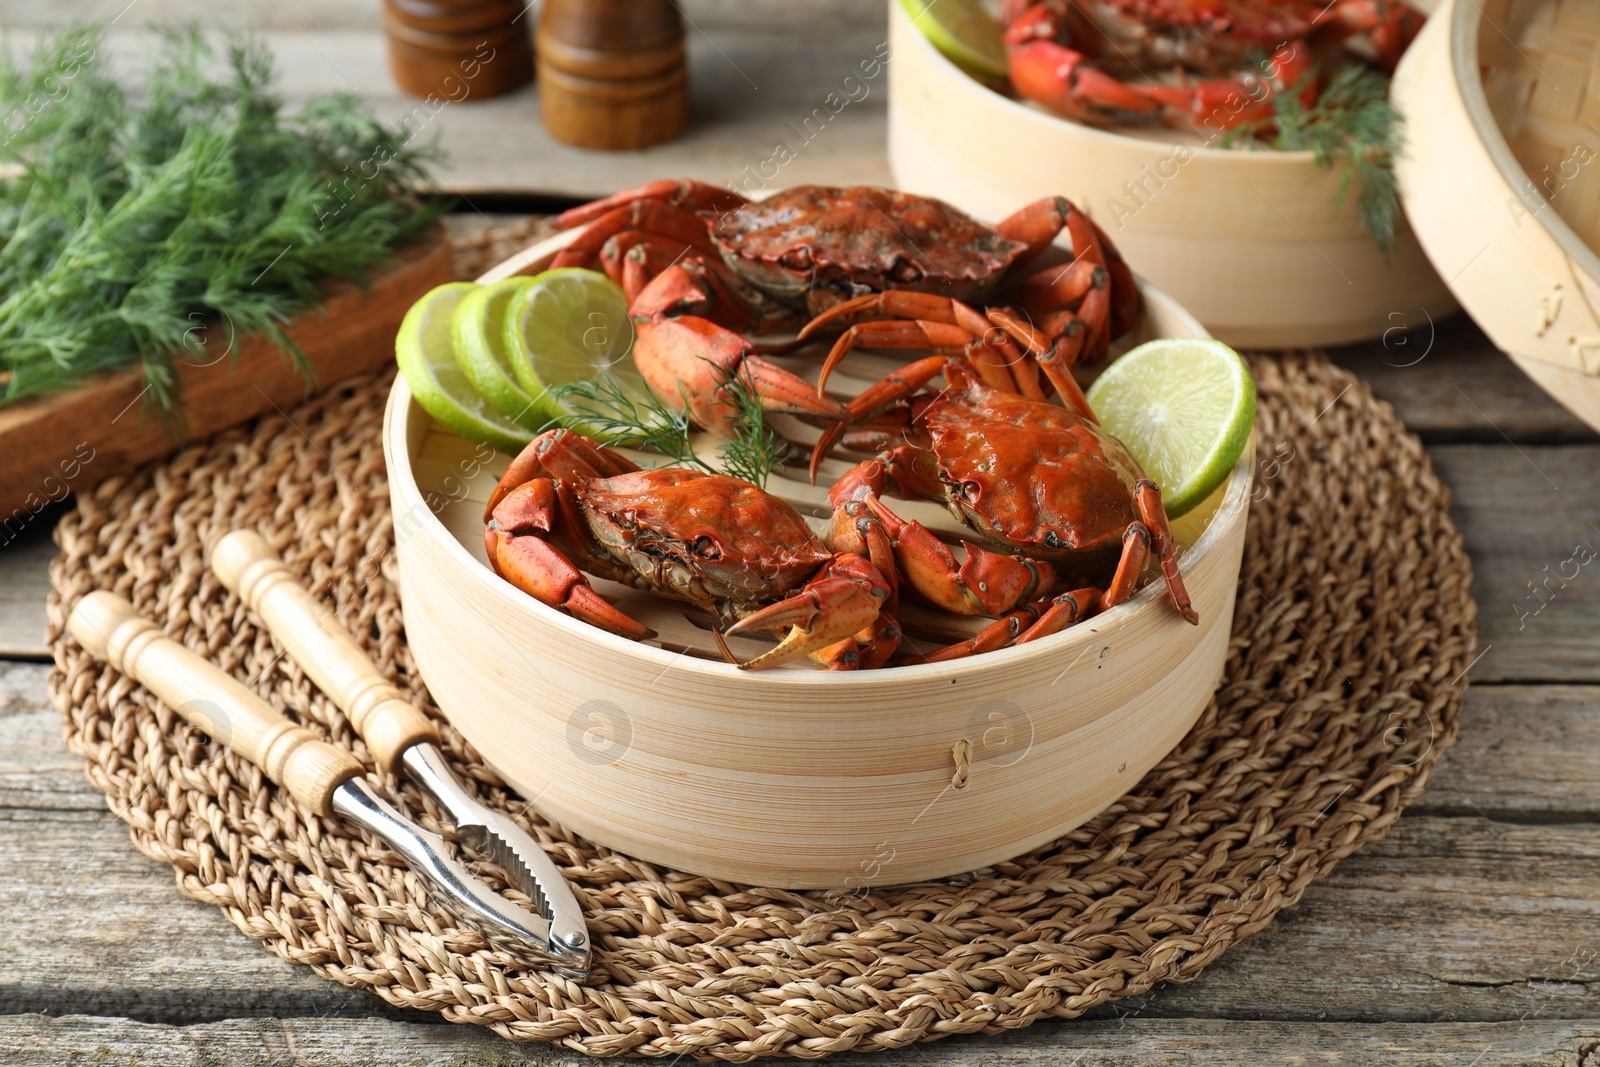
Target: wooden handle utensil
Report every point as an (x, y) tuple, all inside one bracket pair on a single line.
[(329, 781), (404, 742), (309, 768), (247, 565)]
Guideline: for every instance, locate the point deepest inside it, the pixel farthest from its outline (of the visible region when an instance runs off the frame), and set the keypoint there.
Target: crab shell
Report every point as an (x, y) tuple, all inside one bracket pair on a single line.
[(815, 246), (1136, 37), (1034, 477), (706, 538)]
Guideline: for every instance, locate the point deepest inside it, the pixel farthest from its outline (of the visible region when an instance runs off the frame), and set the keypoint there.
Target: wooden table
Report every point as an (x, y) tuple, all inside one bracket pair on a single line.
[(1470, 936)]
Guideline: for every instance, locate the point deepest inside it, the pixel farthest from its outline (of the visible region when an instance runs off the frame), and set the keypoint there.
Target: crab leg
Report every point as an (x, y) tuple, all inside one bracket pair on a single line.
[(516, 542), (1063, 611), (1124, 291), (1057, 287), (651, 216), (1050, 357), (1094, 314), (856, 531), (1028, 623), (883, 430), (921, 320), (1148, 496), (1135, 550), (985, 583), (846, 597), (897, 386), (685, 193), (864, 651), (1110, 300), (1057, 363), (1138, 541)]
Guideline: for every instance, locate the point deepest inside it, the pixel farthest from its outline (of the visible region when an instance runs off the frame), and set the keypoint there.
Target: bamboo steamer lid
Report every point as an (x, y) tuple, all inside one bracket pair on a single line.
[(1502, 178)]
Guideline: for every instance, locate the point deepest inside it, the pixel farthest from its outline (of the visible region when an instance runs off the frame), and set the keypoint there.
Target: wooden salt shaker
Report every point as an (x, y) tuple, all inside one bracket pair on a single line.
[(612, 73), (456, 50)]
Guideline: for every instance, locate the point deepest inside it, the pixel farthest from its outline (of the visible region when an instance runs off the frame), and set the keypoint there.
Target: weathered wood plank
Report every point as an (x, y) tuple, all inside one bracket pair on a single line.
[(39, 1040), (25, 557), (1525, 754), (1529, 516), (1450, 917), (1448, 383)]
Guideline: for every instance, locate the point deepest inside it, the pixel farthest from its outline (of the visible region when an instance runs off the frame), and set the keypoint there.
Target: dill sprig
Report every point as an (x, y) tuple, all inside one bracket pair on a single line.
[(1353, 123), (128, 228), (601, 405), (755, 450)]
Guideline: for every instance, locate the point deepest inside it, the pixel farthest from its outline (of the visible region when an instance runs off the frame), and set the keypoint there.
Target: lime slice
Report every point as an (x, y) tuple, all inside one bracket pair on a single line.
[(1184, 407), (966, 33), (426, 358), (479, 343), (570, 325)]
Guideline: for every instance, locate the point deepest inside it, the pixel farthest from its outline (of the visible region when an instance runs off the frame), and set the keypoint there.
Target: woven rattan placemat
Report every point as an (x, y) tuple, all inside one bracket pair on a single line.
[(1352, 634)]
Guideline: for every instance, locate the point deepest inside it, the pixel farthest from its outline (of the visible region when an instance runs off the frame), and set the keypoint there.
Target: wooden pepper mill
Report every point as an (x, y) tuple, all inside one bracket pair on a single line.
[(458, 50), (612, 73)]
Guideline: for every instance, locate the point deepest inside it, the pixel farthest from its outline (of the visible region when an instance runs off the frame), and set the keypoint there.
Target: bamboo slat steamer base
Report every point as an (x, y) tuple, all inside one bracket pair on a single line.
[(1346, 668)]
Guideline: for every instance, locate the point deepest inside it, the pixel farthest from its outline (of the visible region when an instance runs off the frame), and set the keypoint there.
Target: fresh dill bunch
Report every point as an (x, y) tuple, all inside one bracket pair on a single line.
[(1354, 124), (601, 405), (127, 228)]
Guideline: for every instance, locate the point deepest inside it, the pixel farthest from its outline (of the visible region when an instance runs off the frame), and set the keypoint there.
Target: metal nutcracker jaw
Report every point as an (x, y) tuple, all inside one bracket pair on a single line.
[(521, 932), (495, 836)]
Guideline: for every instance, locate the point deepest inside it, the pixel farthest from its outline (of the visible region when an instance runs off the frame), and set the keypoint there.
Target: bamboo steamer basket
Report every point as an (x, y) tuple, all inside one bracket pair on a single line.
[(1248, 241), (795, 777), (1503, 181)]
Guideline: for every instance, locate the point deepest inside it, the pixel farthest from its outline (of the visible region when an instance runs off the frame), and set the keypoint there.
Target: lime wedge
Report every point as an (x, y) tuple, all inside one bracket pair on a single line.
[(570, 325), (966, 33), (1184, 407), (479, 343), (426, 357)]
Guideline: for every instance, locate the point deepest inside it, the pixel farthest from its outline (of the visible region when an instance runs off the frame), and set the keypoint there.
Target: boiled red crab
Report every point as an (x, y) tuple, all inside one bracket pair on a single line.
[(1065, 516), (703, 268), (568, 505), (1107, 62)]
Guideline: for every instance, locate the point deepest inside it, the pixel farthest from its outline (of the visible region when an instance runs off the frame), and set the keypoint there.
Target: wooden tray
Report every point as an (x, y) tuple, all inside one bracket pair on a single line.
[(69, 441), (1249, 242), (796, 777)]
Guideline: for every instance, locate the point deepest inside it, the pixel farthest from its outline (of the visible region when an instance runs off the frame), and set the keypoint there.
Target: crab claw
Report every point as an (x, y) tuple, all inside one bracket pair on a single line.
[(515, 539), (682, 353), (1062, 80), (846, 598)]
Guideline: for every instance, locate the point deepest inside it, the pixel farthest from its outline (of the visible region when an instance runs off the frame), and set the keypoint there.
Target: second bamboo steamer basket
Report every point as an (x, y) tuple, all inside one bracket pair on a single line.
[(1250, 242), (797, 778), (1503, 183)]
